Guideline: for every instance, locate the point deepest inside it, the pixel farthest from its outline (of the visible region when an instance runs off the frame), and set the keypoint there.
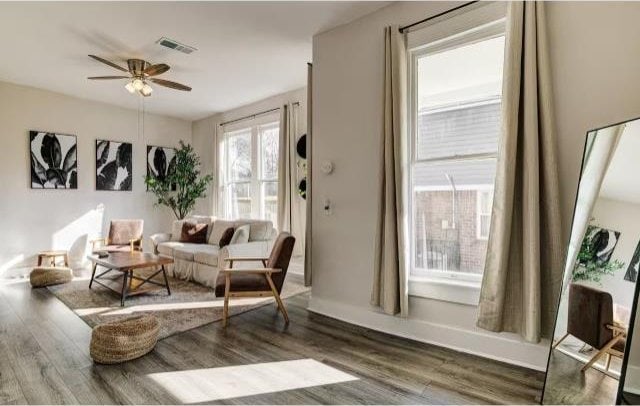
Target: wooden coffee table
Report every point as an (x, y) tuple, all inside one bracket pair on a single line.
[(126, 263)]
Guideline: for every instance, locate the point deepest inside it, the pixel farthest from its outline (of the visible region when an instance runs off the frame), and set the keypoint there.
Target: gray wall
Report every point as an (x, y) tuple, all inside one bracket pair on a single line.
[(32, 219), (594, 68)]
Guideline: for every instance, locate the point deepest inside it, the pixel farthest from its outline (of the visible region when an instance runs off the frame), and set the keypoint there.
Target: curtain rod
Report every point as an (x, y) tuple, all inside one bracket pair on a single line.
[(252, 116), (406, 27)]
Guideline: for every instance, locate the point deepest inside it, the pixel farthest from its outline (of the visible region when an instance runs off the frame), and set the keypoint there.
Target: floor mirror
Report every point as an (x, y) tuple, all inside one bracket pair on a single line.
[(594, 358)]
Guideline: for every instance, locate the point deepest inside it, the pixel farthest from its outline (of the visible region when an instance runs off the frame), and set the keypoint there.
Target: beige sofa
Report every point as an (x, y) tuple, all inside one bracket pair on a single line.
[(200, 262)]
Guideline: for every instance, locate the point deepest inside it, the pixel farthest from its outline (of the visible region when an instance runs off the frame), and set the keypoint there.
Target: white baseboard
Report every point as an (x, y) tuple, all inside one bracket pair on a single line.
[(500, 347)]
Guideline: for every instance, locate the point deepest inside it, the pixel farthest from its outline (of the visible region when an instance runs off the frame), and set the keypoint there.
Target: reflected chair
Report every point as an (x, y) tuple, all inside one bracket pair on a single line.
[(260, 281), (123, 236), (591, 320)]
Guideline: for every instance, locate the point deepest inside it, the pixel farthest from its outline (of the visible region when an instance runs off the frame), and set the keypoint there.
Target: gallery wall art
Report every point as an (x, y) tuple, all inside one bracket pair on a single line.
[(600, 243), (114, 167), (54, 162), (160, 162)]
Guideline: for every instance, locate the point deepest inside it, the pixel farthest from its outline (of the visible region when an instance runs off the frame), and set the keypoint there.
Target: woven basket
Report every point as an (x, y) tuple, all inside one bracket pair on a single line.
[(46, 276), (124, 340)]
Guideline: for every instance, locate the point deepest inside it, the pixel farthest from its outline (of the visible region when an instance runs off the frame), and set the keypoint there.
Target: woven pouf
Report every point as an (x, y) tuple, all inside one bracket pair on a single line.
[(124, 340), (50, 275)]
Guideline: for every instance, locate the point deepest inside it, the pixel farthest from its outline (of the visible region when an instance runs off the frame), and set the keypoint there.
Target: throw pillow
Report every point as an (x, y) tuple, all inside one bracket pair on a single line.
[(226, 237), (194, 233), (218, 228), (241, 235)]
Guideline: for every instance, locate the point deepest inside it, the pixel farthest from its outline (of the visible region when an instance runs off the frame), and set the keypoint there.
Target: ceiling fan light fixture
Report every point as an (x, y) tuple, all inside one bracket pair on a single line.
[(146, 90), (130, 88), (138, 84)]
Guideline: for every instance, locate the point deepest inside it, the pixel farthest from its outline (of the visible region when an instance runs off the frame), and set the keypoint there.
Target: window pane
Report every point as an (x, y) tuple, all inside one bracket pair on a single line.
[(239, 200), (239, 155), (459, 91), (445, 218), (269, 144), (270, 202)]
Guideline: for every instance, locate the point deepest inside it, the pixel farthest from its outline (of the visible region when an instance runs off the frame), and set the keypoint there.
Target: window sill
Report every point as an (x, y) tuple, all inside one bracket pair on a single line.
[(463, 292)]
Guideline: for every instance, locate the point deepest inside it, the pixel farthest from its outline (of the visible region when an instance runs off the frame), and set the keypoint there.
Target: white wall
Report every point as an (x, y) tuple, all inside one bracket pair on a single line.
[(33, 220), (204, 142), (594, 67)]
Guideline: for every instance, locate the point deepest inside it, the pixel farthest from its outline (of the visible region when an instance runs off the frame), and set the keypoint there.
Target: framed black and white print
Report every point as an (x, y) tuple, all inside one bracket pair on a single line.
[(160, 162), (54, 160), (632, 271), (114, 165), (598, 245)]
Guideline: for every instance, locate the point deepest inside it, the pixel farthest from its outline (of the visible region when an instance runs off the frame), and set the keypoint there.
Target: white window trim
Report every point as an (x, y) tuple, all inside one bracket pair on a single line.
[(257, 179), (478, 24), (479, 214)]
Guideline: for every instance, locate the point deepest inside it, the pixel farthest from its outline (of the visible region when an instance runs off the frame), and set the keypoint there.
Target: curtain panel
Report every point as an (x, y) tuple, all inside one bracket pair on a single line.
[(525, 255), (308, 200), (390, 288)]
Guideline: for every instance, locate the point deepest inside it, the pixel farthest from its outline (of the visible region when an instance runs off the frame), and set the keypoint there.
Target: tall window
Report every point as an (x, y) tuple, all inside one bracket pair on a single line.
[(456, 84), (249, 171)]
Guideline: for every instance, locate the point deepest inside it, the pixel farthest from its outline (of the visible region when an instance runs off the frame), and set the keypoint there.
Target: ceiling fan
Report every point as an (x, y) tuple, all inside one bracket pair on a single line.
[(139, 74)]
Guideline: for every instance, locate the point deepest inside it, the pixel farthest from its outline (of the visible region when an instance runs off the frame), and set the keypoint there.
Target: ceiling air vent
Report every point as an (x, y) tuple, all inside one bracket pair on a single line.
[(169, 43)]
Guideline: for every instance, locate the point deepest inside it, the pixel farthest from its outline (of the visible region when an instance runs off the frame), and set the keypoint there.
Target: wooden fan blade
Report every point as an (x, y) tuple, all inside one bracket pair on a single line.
[(170, 84), (108, 77), (157, 69), (113, 65)]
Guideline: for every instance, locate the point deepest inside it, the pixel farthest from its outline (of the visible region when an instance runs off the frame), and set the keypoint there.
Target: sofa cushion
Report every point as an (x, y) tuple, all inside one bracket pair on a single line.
[(208, 220), (241, 235), (226, 237), (260, 230), (176, 230), (166, 248), (207, 255), (194, 232), (218, 228), (187, 251)]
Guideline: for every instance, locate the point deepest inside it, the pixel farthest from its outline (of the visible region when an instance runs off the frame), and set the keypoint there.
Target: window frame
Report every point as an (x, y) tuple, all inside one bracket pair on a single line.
[(479, 24), (480, 213), (254, 127)]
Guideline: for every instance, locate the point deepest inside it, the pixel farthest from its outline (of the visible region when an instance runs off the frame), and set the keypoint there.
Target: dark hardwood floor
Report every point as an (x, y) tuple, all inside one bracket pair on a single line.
[(566, 384), (44, 359)]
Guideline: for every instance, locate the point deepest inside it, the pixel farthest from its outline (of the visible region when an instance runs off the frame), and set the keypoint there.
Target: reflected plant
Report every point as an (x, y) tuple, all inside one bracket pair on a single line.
[(182, 185), (588, 269)]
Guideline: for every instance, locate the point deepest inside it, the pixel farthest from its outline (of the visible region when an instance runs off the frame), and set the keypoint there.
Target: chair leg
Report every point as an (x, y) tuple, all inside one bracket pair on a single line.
[(608, 362), (559, 341), (278, 299), (225, 309), (604, 350)]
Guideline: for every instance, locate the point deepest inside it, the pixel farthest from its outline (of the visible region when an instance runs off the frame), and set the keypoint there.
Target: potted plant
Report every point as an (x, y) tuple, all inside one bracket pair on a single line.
[(182, 185), (588, 268)]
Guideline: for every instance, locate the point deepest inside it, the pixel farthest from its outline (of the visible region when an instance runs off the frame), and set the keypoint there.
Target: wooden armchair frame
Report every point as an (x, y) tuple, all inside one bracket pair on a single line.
[(266, 272), (105, 241), (619, 333)]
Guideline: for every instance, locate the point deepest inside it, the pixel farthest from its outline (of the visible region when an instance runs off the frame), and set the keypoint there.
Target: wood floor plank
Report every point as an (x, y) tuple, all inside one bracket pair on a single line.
[(46, 341)]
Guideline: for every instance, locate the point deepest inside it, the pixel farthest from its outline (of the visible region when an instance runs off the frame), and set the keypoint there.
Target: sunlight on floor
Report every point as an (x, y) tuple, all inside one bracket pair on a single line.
[(206, 385), (158, 307)]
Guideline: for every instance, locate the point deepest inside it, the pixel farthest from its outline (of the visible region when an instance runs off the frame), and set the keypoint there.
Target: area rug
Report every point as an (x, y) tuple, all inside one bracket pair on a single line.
[(190, 305)]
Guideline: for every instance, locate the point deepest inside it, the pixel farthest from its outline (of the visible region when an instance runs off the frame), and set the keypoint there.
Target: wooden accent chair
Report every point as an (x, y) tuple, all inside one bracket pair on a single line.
[(591, 320), (257, 282), (124, 236)]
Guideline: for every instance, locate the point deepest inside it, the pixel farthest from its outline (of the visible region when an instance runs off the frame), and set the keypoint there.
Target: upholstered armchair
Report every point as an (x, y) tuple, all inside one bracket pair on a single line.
[(591, 320), (123, 236), (257, 281)]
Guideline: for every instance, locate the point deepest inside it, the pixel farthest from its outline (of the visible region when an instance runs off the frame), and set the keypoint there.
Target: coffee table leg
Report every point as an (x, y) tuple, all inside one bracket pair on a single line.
[(166, 281), (123, 294), (93, 273)]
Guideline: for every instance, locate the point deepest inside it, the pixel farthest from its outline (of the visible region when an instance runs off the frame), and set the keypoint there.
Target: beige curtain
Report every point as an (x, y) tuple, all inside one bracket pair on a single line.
[(390, 275), (307, 242), (284, 170), (523, 269)]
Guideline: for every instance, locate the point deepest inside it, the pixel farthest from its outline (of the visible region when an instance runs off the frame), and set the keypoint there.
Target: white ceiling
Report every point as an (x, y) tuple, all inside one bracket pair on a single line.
[(621, 182), (246, 50)]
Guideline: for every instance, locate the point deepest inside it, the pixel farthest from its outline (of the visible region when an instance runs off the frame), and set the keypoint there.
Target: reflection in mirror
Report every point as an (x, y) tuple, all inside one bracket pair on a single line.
[(588, 358)]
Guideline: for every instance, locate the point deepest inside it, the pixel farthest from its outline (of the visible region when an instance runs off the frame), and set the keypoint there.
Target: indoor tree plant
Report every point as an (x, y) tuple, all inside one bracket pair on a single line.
[(182, 185)]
